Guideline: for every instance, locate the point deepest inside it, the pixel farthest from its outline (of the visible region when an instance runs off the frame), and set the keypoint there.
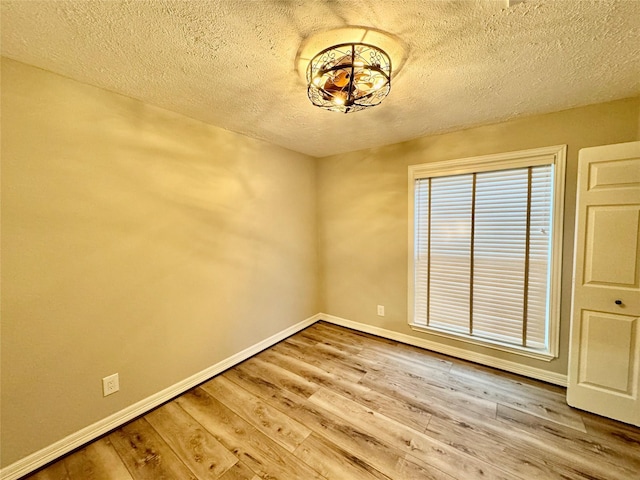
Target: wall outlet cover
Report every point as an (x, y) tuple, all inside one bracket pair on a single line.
[(110, 384)]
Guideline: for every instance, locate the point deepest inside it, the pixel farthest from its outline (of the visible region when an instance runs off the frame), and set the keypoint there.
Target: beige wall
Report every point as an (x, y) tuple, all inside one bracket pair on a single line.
[(137, 241), (362, 211)]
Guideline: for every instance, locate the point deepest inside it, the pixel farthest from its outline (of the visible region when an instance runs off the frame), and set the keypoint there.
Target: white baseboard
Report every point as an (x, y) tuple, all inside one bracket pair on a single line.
[(488, 360), (42, 457)]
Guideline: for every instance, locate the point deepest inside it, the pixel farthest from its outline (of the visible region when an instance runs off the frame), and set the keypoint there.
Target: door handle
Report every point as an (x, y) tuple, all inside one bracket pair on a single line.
[(618, 302)]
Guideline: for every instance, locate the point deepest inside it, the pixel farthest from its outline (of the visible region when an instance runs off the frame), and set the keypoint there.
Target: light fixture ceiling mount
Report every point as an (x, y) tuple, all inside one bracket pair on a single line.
[(349, 77)]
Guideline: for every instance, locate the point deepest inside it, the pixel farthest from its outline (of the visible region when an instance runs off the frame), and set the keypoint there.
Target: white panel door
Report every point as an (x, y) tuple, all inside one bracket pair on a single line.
[(604, 353)]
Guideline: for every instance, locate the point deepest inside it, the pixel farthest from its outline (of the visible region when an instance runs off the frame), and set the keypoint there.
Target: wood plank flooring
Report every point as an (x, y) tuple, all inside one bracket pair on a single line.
[(331, 403)]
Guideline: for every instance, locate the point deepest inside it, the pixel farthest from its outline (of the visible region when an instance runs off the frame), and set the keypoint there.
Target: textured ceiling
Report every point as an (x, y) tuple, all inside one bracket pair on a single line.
[(234, 63)]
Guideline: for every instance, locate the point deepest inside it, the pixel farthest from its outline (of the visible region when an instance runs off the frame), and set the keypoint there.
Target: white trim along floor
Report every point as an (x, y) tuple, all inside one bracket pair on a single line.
[(91, 432)]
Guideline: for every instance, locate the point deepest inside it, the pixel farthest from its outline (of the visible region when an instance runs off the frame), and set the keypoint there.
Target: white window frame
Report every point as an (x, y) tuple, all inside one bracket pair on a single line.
[(554, 155)]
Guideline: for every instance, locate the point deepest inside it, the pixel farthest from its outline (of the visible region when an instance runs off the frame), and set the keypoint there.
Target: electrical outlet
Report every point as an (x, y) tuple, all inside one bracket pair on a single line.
[(110, 384), (381, 310)]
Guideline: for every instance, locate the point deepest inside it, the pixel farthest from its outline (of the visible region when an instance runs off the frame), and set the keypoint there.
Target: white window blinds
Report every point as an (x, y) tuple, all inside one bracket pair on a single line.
[(482, 254)]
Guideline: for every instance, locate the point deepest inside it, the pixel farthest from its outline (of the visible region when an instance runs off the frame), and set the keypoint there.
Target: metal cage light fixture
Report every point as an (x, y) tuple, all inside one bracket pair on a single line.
[(349, 77)]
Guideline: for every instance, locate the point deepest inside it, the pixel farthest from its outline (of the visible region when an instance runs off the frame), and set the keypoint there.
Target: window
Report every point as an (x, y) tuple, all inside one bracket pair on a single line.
[(486, 239)]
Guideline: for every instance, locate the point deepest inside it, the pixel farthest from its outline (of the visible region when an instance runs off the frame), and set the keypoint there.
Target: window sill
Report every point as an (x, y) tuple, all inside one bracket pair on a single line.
[(547, 356)]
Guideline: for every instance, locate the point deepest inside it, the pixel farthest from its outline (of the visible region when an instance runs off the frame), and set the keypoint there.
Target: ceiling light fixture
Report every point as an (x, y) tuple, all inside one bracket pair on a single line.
[(349, 77)]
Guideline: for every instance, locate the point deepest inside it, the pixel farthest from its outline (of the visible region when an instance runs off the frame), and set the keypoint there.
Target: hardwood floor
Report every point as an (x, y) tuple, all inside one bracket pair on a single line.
[(331, 403)]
